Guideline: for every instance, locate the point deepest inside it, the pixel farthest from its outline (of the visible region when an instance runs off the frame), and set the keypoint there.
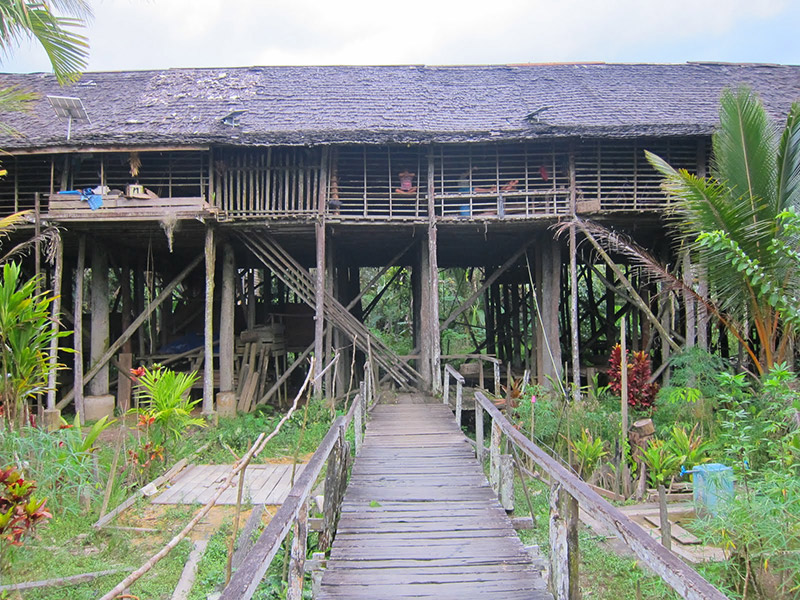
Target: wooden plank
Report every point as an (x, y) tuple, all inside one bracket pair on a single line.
[(419, 518)]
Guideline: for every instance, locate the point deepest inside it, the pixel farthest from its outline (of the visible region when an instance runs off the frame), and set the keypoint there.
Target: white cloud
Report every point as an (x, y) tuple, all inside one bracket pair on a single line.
[(131, 34)]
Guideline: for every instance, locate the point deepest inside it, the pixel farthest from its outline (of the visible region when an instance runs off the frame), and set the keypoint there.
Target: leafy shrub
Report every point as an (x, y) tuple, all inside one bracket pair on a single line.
[(164, 401), (693, 393), (20, 511), (587, 452)]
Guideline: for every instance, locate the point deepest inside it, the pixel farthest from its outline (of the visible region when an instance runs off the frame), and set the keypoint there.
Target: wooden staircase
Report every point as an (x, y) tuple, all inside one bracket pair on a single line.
[(299, 280)]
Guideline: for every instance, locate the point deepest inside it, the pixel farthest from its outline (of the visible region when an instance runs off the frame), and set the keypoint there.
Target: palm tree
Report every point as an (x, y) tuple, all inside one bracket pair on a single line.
[(741, 226), (52, 23)]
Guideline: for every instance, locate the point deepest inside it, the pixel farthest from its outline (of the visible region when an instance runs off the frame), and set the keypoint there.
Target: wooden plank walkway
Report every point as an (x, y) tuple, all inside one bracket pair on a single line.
[(419, 519), (263, 484)]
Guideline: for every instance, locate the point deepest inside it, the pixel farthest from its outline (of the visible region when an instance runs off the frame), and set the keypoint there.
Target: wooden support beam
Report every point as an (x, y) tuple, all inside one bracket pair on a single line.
[(226, 320), (100, 319), (165, 293), (487, 283), (210, 256)]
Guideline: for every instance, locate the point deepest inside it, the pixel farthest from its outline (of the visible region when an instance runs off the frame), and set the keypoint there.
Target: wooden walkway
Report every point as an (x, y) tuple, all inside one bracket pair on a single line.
[(263, 484), (419, 519)]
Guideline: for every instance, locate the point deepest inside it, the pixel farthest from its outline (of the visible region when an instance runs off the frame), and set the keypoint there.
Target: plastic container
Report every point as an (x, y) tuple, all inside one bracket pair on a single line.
[(713, 487)]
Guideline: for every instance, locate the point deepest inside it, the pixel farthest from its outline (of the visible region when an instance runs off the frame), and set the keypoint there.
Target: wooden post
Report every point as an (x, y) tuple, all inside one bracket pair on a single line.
[(459, 401), (297, 558), (332, 506), (507, 482), (446, 393), (100, 318), (564, 558), (494, 455), (319, 307), (479, 431), (573, 306), (226, 320), (626, 483), (208, 329), (56, 319), (666, 528), (433, 282), (496, 370), (77, 334), (124, 382), (357, 420)]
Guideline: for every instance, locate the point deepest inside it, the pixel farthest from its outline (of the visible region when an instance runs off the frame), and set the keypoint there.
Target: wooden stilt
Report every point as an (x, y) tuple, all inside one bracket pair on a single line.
[(100, 318), (80, 270), (319, 310), (208, 325), (573, 306), (226, 319), (103, 360)]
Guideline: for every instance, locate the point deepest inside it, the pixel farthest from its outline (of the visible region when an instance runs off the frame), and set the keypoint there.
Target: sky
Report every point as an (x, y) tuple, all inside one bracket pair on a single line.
[(158, 34)]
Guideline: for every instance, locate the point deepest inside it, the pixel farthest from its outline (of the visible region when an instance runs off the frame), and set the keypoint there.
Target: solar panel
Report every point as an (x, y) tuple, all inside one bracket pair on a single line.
[(69, 109)]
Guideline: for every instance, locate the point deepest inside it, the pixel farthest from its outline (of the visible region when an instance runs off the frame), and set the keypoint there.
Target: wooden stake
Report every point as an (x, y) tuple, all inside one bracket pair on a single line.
[(666, 529)]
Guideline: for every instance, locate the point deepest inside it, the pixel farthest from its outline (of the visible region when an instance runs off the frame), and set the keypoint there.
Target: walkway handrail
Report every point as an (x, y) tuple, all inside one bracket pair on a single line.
[(481, 358), (449, 371), (687, 582), (333, 450)]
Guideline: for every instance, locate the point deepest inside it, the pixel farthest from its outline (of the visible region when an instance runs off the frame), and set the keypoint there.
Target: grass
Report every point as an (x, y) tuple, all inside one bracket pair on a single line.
[(603, 574), (66, 545)]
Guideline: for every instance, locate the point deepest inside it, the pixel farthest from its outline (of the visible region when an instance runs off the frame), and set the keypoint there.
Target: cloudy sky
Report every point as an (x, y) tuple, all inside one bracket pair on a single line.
[(157, 34)]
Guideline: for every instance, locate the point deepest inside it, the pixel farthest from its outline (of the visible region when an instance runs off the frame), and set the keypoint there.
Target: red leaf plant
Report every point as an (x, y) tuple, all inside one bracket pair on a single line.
[(641, 393)]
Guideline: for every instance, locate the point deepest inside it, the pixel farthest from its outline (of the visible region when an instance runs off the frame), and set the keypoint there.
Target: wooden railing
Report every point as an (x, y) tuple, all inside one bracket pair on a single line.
[(481, 358), (293, 513), (568, 492)]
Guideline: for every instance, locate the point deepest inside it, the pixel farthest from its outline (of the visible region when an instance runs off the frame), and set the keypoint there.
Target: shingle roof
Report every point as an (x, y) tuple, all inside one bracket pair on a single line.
[(312, 105)]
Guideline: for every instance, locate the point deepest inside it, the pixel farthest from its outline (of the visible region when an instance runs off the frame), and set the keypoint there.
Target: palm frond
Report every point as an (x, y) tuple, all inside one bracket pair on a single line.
[(621, 244), (745, 146), (66, 49), (789, 161)]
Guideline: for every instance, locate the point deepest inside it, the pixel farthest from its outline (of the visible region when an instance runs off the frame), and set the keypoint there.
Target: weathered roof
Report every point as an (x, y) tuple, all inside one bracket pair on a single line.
[(313, 105)]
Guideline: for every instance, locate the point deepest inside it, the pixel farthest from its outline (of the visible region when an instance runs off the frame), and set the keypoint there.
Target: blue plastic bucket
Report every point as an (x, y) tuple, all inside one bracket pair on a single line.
[(713, 487)]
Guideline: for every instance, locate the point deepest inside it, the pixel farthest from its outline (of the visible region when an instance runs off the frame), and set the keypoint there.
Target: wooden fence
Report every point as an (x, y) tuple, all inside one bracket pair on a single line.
[(568, 492)]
